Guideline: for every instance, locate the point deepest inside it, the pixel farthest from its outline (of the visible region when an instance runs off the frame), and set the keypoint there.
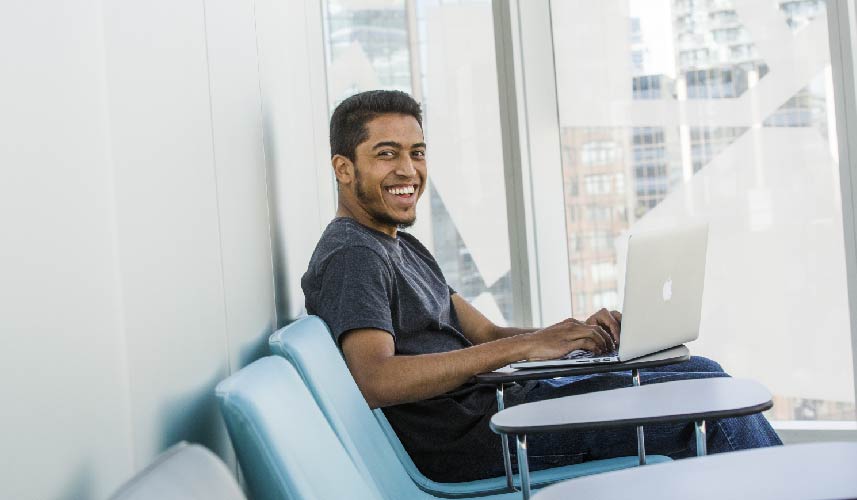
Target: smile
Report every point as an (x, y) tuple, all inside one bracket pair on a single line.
[(401, 190)]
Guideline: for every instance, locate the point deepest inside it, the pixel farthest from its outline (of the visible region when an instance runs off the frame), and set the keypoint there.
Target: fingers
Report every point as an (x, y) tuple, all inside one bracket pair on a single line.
[(608, 321), (603, 341), (609, 343), (613, 325), (618, 317), (577, 335), (588, 344)]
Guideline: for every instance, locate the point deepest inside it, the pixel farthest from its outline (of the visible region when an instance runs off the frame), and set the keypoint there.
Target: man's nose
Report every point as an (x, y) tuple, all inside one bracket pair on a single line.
[(406, 167)]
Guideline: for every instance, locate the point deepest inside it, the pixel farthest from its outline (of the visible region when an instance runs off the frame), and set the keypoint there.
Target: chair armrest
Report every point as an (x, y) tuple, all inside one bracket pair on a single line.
[(678, 401)]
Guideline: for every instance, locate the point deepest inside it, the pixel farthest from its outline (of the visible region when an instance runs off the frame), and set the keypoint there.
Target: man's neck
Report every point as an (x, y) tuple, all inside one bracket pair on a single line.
[(364, 219)]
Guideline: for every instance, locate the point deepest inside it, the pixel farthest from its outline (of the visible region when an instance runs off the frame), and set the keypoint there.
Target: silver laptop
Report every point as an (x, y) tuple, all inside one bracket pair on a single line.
[(664, 278)]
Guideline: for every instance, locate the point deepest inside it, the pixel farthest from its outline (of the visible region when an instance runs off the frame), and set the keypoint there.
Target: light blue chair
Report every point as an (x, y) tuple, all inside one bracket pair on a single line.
[(284, 445), (368, 437), (287, 449)]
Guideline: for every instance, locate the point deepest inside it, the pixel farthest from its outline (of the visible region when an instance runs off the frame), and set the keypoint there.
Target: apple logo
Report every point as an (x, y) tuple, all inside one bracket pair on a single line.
[(668, 290)]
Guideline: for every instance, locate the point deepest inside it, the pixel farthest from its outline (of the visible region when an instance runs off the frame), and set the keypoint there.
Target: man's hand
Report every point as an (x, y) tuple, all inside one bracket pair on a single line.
[(560, 339), (611, 321), (387, 379)]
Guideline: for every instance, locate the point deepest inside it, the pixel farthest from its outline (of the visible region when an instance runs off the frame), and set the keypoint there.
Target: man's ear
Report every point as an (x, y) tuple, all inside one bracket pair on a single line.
[(343, 169)]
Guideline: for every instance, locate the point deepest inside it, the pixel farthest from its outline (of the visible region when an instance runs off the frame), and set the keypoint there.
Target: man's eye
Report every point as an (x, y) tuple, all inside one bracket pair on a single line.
[(387, 153), (419, 154)]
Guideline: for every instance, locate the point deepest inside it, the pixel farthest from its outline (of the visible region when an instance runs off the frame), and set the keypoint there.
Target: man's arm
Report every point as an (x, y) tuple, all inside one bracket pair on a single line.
[(477, 328), (386, 379)]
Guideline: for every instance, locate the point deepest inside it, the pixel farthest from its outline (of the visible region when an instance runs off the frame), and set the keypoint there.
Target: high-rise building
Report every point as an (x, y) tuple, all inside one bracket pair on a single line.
[(714, 57)]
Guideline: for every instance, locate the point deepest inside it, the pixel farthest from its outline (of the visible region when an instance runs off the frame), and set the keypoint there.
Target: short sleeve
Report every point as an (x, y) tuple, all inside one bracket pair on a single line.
[(356, 292)]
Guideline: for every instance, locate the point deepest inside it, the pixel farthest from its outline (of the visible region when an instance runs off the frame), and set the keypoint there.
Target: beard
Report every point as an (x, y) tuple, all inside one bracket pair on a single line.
[(366, 199)]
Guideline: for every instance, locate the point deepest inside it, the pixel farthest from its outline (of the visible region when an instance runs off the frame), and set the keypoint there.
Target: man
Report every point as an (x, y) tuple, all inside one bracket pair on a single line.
[(412, 343)]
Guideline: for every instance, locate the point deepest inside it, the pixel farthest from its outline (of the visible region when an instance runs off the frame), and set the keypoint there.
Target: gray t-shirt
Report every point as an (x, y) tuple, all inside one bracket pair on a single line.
[(362, 278)]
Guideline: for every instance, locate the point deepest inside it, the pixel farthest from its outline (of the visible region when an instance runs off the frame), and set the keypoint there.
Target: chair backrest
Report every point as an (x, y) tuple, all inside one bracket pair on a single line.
[(183, 472), (284, 444), (308, 344)]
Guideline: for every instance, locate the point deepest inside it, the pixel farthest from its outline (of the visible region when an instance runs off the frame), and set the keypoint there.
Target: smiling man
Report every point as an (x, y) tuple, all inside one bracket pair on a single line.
[(412, 343)]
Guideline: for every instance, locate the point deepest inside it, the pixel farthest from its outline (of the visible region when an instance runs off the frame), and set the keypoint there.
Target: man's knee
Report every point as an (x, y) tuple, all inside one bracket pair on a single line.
[(702, 364)]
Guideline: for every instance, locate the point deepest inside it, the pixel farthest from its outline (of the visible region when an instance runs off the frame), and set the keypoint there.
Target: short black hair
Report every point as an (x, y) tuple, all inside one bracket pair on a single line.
[(348, 123)]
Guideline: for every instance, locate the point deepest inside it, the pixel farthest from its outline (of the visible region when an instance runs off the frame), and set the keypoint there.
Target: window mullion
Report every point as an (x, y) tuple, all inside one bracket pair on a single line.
[(516, 191), (534, 168), (842, 28)]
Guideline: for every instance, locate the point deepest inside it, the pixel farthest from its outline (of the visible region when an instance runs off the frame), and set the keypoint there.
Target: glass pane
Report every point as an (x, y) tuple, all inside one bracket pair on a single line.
[(677, 111), (442, 53)]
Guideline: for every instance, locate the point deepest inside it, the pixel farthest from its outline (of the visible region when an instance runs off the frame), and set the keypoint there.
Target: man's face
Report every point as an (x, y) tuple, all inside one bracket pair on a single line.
[(389, 173)]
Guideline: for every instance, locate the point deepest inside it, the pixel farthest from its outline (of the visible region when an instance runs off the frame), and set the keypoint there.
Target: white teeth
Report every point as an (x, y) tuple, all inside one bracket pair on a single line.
[(401, 190)]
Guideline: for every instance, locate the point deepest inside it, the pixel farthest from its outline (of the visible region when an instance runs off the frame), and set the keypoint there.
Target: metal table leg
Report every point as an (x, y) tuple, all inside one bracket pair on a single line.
[(524, 466), (701, 445), (504, 441), (641, 438)]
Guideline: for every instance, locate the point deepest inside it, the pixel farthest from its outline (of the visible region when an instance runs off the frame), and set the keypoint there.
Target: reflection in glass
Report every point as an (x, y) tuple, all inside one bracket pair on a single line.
[(721, 111)]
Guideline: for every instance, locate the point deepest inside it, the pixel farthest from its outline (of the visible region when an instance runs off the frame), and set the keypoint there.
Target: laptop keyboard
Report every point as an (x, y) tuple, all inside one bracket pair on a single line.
[(580, 353)]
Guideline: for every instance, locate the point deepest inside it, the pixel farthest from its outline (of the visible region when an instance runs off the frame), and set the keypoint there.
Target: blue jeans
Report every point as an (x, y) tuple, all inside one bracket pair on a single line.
[(675, 440)]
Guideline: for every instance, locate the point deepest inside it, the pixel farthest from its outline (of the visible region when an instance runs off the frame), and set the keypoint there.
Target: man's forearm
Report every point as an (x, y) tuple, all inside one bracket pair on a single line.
[(387, 379), (504, 332), (403, 379), (477, 328)]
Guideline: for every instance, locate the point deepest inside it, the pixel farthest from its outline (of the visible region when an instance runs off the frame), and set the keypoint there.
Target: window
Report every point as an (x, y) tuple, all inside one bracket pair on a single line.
[(799, 13), (603, 271), (723, 82), (722, 17), (599, 153), (619, 183), (581, 303), (600, 240), (598, 184), (443, 51), (648, 86), (608, 299), (599, 213), (727, 34), (575, 243), (662, 121), (717, 147), (742, 51)]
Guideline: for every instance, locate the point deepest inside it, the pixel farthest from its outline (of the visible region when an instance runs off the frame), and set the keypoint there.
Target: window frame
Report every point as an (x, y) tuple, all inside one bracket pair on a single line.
[(842, 30), (528, 48), (524, 45)]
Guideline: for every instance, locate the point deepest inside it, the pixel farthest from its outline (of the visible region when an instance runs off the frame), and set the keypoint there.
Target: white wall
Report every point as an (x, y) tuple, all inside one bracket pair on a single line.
[(295, 118), (135, 257)]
